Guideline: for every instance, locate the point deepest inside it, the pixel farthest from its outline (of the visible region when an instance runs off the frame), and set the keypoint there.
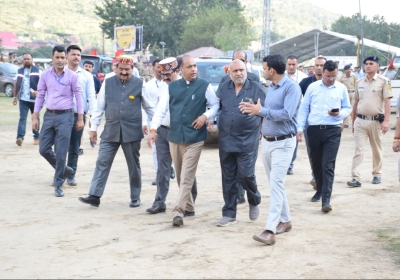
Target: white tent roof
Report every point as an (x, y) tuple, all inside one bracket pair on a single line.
[(303, 45)]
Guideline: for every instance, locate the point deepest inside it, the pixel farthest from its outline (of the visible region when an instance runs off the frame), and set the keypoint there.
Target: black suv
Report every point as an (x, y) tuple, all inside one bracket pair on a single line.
[(102, 64)]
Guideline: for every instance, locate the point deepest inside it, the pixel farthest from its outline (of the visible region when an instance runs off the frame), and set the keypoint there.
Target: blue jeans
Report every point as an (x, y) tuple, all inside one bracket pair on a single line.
[(24, 107)]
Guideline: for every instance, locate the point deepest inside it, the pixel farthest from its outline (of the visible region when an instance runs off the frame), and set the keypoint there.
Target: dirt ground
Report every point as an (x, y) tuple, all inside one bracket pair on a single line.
[(47, 237)]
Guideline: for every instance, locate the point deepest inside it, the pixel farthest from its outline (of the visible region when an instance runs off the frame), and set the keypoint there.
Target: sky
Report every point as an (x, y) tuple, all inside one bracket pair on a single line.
[(369, 8)]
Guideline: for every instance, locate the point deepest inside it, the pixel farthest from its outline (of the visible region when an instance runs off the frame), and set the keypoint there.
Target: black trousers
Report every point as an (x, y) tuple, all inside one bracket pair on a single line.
[(324, 146), (238, 167)]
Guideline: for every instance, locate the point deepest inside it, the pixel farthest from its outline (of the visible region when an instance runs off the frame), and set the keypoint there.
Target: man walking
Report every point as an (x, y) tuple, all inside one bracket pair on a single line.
[(238, 135), (120, 99), (25, 90), (187, 100), (278, 143), (325, 105), (88, 66), (88, 96), (349, 80), (170, 72), (371, 114), (61, 86)]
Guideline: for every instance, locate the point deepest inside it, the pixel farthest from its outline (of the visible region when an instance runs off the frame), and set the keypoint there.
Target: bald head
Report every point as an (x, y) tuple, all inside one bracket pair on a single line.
[(237, 71), (241, 55)]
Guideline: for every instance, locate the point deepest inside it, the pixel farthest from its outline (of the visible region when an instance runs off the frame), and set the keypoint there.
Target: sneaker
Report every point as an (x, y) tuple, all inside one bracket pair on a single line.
[(254, 212), (19, 141), (376, 180), (226, 221), (354, 183)]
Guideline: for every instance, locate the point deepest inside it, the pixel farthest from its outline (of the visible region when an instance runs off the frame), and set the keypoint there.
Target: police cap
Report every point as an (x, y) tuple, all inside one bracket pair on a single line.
[(372, 58)]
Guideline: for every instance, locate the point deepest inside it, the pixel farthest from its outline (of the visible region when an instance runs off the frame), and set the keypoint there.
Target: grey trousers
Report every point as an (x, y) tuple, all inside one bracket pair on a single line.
[(107, 152), (164, 162), (56, 130)]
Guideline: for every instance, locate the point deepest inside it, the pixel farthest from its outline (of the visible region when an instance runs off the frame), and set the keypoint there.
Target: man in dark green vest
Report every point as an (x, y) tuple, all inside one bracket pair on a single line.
[(120, 98), (187, 101)]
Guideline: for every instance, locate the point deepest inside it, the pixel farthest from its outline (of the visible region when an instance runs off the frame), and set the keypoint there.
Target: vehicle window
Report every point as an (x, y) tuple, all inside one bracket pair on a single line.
[(106, 67), (211, 72), (9, 68), (393, 74)]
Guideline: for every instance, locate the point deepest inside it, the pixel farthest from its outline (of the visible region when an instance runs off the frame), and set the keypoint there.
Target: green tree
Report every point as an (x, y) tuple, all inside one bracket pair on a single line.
[(218, 27), (162, 20)]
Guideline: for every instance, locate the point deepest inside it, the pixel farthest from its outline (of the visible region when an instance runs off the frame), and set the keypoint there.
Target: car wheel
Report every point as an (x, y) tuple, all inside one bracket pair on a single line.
[(9, 90)]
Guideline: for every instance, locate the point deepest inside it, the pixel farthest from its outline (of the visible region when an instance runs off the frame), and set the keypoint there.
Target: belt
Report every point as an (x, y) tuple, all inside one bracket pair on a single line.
[(368, 118), (167, 127), (60, 111), (278, 138), (75, 114), (324, 126)]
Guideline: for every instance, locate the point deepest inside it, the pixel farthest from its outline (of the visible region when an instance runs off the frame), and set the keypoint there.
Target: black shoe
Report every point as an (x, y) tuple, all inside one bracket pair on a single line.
[(188, 214), (326, 208), (58, 192), (80, 152), (72, 182), (376, 180), (172, 173), (354, 183), (135, 203), (240, 200), (393, 128), (156, 209), (313, 183), (290, 171), (91, 199), (68, 172), (346, 126), (316, 197), (177, 221), (154, 182)]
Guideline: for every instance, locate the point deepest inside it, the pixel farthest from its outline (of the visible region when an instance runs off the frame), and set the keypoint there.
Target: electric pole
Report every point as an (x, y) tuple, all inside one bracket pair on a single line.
[(266, 31)]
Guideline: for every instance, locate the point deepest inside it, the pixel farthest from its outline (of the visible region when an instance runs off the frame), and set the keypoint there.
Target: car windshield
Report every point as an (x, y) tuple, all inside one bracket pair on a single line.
[(107, 67), (9, 68), (211, 71)]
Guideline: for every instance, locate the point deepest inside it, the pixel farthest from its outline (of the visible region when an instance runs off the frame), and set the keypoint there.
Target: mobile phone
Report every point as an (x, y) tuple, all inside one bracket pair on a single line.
[(248, 99), (334, 110), (91, 144)]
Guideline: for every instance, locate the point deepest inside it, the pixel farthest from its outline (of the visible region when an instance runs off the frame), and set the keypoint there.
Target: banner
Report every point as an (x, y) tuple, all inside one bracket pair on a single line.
[(128, 38)]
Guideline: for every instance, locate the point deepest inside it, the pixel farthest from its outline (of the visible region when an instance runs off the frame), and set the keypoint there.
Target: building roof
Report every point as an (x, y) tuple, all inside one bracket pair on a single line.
[(204, 51), (10, 41), (304, 45)]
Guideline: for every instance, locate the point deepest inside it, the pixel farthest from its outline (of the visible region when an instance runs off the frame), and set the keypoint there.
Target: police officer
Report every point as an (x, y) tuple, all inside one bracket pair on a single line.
[(371, 113), (349, 80)]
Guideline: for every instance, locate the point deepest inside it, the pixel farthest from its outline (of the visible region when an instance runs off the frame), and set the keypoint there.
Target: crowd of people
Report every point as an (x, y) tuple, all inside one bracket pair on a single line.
[(175, 110)]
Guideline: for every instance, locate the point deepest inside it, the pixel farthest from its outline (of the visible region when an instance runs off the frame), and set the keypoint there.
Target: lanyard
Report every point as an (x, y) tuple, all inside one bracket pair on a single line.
[(58, 80)]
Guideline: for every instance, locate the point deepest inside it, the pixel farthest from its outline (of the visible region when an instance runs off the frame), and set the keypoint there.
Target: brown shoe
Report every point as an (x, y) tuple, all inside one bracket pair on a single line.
[(36, 142), (266, 237), (283, 227)]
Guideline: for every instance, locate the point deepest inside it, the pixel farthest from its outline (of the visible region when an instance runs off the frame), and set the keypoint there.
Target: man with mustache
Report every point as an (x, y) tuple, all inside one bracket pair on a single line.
[(88, 96), (120, 99)]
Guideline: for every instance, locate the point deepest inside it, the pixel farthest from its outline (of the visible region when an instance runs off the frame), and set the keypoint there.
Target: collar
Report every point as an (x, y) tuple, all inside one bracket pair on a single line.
[(54, 71), (281, 81), (189, 82), (79, 70), (332, 86)]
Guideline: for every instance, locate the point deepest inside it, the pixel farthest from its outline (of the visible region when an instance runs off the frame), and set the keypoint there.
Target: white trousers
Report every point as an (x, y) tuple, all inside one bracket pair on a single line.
[(276, 158)]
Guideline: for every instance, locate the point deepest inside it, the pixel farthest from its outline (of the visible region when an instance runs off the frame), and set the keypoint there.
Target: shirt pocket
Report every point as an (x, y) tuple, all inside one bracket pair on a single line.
[(334, 101)]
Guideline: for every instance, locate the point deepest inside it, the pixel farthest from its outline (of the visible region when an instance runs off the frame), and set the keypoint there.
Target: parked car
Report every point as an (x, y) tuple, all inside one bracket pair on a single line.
[(8, 76), (102, 64)]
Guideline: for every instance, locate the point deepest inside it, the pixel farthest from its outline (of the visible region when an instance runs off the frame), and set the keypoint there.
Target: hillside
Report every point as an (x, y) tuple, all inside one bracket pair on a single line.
[(47, 19)]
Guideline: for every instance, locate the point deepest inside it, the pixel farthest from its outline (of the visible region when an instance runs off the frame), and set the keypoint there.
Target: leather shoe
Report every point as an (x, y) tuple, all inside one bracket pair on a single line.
[(172, 173), (177, 221), (314, 184), (72, 182), (240, 200), (155, 209), (290, 171), (283, 227), (91, 199), (266, 237), (376, 180), (154, 182), (68, 172), (326, 208), (134, 203), (188, 214), (316, 197), (58, 192), (354, 183)]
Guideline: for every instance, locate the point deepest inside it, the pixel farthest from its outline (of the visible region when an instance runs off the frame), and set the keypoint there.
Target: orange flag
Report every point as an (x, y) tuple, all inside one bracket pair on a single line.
[(118, 53), (94, 52)]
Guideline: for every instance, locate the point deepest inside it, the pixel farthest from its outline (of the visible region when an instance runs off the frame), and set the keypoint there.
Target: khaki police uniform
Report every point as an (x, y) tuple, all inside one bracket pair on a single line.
[(143, 58), (350, 83), (371, 96), (339, 75)]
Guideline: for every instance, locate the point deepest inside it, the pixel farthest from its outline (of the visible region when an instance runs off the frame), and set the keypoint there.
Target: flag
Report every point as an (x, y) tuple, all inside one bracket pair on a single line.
[(94, 52), (118, 53), (391, 66)]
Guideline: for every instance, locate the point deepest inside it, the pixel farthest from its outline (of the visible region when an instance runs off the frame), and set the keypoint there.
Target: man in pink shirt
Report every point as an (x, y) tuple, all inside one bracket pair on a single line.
[(61, 85)]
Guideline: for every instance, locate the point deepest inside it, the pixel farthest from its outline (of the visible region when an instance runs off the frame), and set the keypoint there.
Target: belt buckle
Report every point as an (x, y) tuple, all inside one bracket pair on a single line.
[(322, 127)]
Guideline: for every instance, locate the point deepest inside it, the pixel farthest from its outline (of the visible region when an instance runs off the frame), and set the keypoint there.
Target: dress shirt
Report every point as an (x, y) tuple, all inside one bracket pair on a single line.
[(88, 92), (136, 72), (298, 76), (319, 99), (109, 75), (155, 87), (163, 106), (280, 108), (359, 75), (60, 91), (147, 105)]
